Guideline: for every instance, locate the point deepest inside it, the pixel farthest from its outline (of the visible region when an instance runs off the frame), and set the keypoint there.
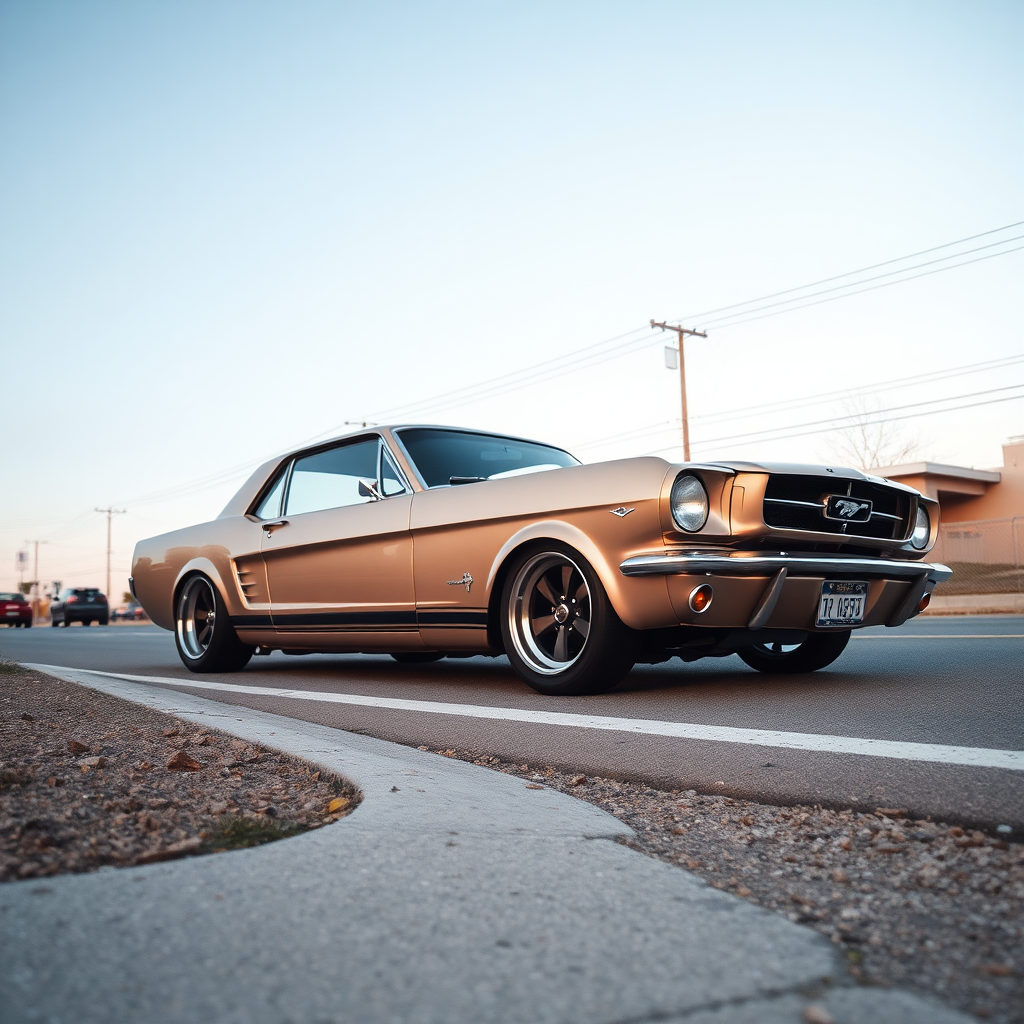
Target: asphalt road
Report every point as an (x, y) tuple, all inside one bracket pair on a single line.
[(928, 717)]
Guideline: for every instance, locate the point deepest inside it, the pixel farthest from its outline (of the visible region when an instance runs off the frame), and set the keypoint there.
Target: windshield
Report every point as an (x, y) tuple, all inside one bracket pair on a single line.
[(454, 457)]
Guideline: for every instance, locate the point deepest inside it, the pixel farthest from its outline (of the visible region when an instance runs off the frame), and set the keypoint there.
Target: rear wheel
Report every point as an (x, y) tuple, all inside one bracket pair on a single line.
[(86, 622), (104, 622), (558, 627), (204, 637), (815, 652)]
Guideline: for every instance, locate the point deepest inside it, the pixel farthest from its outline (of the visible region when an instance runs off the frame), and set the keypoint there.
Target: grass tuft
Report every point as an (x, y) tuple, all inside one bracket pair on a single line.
[(241, 833)]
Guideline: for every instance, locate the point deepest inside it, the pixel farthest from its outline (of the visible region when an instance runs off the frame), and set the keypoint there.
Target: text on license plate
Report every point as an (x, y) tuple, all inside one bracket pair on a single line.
[(842, 603)]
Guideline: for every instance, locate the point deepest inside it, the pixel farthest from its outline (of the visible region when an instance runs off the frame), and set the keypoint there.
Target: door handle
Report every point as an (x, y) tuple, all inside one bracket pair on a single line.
[(268, 528)]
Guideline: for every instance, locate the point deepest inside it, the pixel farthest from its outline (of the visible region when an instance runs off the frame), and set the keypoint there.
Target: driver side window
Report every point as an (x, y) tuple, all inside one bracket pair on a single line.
[(330, 479)]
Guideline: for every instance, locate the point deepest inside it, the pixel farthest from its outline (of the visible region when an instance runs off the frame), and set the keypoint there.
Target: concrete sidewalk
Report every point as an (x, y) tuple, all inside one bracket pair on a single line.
[(453, 894)]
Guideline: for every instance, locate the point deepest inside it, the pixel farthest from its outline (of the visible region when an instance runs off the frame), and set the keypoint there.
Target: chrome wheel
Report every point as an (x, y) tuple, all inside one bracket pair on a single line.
[(197, 616), (549, 616)]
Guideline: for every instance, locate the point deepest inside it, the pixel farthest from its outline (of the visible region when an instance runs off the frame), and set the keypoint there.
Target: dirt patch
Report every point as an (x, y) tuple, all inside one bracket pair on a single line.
[(89, 780), (911, 903)]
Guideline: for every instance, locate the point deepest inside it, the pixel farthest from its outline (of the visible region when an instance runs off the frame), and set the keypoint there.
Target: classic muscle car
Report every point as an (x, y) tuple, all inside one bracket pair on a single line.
[(423, 542)]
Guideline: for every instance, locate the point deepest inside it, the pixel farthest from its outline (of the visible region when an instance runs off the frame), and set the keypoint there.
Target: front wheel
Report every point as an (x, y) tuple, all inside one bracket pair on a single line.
[(815, 652), (205, 639), (558, 627)]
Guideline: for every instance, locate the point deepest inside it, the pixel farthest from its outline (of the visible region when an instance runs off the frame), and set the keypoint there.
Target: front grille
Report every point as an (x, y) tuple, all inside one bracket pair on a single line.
[(794, 502)]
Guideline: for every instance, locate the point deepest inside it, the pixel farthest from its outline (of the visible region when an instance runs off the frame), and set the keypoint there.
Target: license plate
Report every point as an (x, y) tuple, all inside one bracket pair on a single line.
[(15, 613), (842, 603)]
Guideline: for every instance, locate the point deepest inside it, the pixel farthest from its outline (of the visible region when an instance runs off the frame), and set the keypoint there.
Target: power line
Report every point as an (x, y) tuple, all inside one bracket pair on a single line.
[(521, 378), (874, 287), (818, 428), (867, 280), (854, 273), (894, 419), (853, 417), (867, 389), (809, 401)]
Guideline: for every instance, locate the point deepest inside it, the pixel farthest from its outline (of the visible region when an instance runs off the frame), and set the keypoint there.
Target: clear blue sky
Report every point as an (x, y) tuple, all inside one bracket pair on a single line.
[(229, 227)]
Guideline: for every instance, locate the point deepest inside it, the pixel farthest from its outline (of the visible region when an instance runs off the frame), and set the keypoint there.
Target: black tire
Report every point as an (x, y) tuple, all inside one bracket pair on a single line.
[(559, 630), (815, 652), (204, 636), (54, 623), (28, 625), (86, 622), (104, 622), (417, 657)]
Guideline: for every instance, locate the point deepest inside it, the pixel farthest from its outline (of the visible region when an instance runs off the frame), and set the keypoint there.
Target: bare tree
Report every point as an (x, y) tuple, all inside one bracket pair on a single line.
[(871, 442)]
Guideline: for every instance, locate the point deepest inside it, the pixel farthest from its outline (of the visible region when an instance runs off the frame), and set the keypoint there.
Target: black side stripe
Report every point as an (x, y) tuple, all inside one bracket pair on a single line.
[(364, 620), (452, 618)]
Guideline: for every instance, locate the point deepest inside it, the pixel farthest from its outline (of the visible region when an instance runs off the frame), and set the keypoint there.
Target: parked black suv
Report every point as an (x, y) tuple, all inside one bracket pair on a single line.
[(79, 604)]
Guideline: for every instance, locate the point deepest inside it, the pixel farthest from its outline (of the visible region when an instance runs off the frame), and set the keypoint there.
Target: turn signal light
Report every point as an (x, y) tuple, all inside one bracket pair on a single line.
[(924, 602), (700, 598)]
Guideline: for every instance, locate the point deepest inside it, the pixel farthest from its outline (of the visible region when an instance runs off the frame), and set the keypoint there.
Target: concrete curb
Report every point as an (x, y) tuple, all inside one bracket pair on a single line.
[(451, 894)]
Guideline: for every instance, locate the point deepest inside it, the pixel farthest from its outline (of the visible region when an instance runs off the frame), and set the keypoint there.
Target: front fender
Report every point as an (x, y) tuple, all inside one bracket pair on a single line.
[(642, 607)]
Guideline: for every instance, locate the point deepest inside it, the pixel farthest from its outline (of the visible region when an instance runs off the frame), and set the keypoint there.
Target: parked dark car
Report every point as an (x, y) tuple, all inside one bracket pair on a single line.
[(15, 610), (79, 604), (128, 612)]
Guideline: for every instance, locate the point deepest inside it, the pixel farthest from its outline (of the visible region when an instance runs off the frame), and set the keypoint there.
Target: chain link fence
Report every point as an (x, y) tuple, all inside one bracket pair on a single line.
[(987, 557)]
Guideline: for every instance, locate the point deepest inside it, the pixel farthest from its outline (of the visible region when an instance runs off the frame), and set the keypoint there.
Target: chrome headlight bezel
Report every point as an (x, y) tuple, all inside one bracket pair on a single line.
[(689, 503), (922, 531)]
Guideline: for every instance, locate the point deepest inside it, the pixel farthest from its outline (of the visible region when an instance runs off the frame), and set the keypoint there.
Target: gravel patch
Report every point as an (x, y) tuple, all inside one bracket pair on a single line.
[(911, 903), (88, 781)]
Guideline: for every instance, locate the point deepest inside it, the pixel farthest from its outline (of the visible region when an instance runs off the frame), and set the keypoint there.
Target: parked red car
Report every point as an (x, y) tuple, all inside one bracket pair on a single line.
[(15, 610)]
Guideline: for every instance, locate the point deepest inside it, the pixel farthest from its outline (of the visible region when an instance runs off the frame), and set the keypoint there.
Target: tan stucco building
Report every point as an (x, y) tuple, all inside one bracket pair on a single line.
[(982, 531)]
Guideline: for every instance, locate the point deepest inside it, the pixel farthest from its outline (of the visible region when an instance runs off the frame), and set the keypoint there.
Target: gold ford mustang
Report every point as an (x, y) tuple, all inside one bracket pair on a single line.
[(424, 542)]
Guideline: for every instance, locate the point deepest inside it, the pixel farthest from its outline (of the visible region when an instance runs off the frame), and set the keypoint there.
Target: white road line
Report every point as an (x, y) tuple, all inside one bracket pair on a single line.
[(975, 757), (939, 636)]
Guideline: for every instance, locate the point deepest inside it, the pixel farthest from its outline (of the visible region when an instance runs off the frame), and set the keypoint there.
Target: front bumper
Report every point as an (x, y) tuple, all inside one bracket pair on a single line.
[(757, 590), (698, 563)]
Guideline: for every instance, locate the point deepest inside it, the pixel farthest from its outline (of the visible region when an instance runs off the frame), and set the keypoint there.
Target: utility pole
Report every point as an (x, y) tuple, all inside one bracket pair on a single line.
[(682, 332), (35, 575), (110, 513)]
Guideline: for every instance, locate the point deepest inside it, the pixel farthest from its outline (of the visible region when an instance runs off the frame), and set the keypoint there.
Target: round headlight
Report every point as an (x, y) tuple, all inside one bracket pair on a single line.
[(922, 529), (689, 503)]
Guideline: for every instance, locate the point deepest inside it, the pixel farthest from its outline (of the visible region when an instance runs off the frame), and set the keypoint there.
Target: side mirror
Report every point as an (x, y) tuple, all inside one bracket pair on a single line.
[(368, 489)]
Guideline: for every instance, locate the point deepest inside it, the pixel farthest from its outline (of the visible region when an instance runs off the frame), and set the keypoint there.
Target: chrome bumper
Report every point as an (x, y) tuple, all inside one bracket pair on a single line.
[(768, 565)]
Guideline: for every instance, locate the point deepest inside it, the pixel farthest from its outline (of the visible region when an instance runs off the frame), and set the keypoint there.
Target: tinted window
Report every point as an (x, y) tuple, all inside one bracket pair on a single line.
[(12, 597), (330, 479), (441, 455)]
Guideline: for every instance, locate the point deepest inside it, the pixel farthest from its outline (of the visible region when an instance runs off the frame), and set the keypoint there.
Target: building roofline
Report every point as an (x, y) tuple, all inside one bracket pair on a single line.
[(988, 476)]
